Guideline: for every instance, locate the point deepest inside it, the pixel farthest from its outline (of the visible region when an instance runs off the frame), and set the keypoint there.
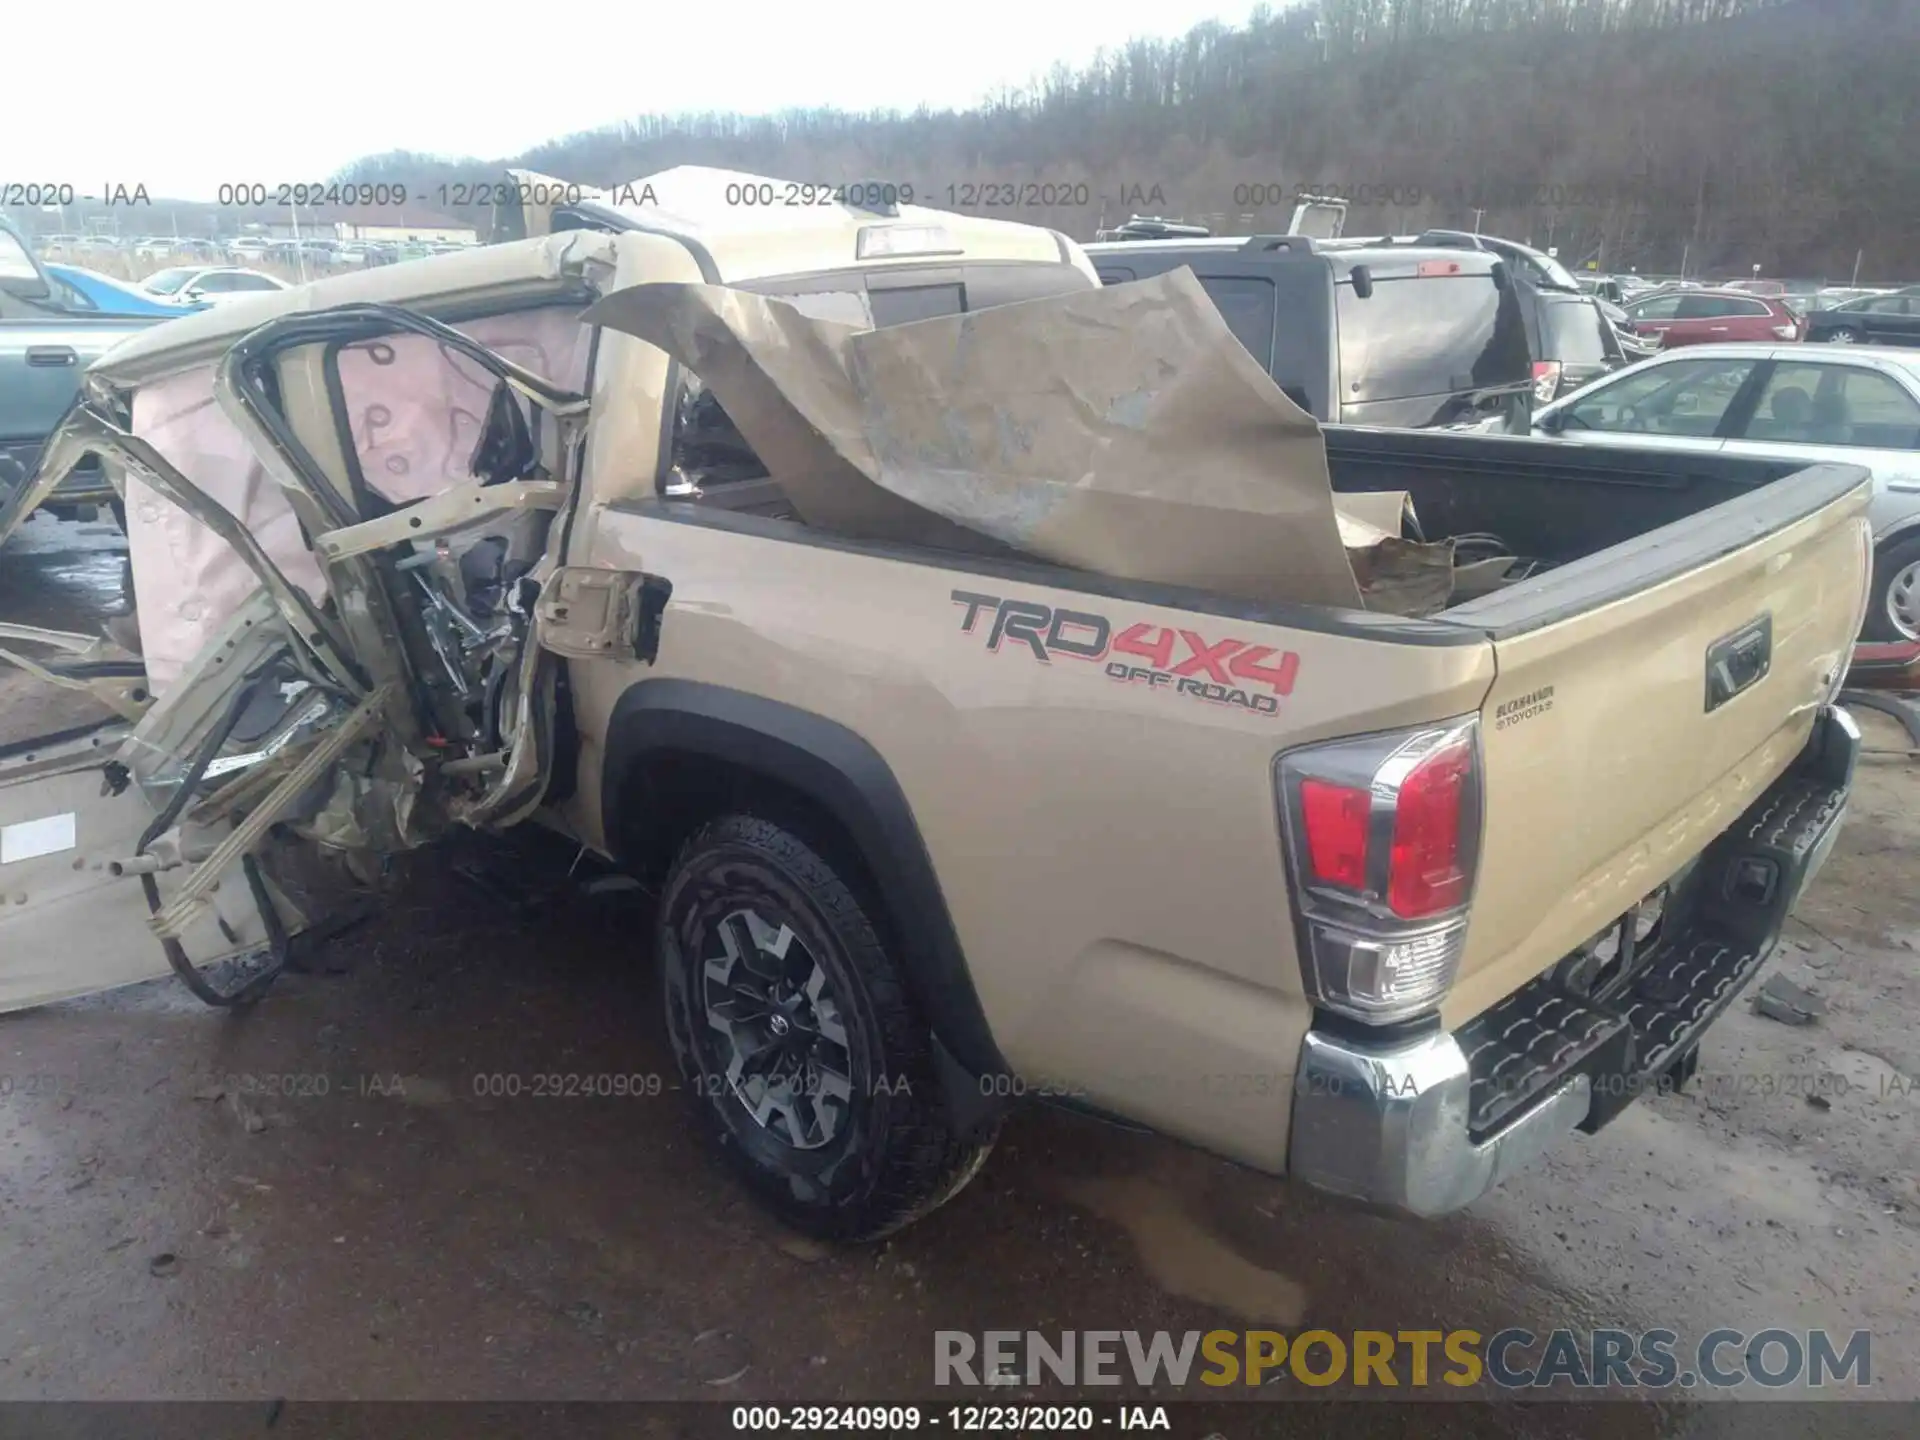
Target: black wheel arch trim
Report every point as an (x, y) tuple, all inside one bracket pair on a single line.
[(1898, 533), (838, 770)]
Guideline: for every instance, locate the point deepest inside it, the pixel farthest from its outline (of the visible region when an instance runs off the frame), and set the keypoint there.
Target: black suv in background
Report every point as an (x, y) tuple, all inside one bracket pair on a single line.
[(1397, 335), (1571, 338)]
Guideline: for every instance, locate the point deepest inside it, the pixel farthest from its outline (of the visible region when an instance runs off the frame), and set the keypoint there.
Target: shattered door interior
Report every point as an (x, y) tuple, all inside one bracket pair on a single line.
[(415, 410), (338, 533)]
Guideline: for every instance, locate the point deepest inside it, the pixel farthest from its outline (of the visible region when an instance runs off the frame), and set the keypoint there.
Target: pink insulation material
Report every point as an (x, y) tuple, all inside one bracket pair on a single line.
[(186, 579), (415, 416)]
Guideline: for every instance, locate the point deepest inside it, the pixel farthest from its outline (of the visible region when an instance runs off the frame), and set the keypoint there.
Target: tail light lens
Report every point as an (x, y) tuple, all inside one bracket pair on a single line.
[(1383, 837), (1335, 819), (1546, 379), (1786, 332), (1424, 875)]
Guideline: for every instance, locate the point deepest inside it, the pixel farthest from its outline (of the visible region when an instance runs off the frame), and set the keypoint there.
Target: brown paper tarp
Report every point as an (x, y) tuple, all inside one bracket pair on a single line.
[(1121, 430)]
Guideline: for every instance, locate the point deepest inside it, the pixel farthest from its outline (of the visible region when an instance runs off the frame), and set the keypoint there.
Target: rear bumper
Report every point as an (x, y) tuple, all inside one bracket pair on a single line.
[(1428, 1123)]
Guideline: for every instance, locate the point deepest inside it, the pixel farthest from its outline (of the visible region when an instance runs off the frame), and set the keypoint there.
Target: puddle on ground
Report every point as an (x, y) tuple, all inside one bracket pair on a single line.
[(1185, 1258), (64, 576)]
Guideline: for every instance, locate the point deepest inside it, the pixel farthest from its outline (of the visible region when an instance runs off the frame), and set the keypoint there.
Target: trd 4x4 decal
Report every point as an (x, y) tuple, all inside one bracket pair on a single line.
[(1221, 672)]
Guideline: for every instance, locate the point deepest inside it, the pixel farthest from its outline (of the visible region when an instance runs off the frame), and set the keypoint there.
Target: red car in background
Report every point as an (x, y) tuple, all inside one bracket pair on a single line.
[(1700, 317)]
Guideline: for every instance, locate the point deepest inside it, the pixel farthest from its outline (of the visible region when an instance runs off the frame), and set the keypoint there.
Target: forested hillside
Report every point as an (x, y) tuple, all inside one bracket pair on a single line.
[(1735, 132), (1725, 133)]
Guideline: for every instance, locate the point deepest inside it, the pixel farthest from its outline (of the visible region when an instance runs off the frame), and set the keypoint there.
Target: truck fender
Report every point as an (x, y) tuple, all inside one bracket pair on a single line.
[(846, 777)]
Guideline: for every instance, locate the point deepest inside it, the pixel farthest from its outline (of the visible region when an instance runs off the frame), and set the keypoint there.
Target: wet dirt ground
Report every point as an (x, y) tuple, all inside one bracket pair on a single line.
[(329, 1197)]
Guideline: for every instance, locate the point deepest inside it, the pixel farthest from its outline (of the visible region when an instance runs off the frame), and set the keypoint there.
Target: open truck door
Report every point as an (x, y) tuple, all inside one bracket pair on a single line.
[(367, 676), (74, 912)]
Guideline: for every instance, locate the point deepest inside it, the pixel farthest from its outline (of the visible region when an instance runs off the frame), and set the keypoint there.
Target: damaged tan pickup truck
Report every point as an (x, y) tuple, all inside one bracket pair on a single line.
[(1011, 691)]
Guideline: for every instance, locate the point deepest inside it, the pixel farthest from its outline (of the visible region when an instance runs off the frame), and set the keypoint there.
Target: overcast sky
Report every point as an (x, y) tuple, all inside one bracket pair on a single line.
[(184, 99)]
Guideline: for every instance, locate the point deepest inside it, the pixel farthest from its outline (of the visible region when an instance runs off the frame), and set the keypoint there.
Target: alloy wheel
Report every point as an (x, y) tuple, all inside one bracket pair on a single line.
[(1903, 601), (780, 1037)]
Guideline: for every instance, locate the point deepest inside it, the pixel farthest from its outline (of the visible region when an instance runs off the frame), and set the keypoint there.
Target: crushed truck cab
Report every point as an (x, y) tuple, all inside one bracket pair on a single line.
[(1009, 689)]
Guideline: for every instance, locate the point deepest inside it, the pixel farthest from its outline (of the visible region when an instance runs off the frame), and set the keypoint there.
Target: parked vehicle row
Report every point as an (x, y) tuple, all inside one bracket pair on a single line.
[(55, 320), (80, 291), (1870, 320), (1615, 289), (318, 251), (1699, 316), (1805, 403), (46, 344), (197, 286), (180, 289), (1702, 317)]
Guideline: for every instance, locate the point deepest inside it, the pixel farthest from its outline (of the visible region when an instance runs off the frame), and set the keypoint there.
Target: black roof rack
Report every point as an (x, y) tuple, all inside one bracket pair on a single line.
[(1156, 227), (1451, 240), (1265, 244)]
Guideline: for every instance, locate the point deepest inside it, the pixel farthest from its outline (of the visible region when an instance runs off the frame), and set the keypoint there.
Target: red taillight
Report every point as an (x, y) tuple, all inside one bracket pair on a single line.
[(1425, 874), (1382, 837), (1335, 819), (1546, 379)]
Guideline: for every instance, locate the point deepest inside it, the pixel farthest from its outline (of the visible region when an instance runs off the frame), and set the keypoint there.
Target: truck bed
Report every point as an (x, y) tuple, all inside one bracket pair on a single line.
[(1548, 501)]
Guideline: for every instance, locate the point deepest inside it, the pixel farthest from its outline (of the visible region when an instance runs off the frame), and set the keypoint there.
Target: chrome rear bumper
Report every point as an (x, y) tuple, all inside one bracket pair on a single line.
[(1390, 1125), (1427, 1123)]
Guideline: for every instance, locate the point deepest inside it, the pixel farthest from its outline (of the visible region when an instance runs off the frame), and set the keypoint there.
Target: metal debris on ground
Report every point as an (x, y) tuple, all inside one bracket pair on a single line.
[(1780, 999)]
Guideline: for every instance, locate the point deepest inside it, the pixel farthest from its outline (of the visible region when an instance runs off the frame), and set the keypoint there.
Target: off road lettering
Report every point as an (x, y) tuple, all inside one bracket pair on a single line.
[(1220, 671), (1225, 695)]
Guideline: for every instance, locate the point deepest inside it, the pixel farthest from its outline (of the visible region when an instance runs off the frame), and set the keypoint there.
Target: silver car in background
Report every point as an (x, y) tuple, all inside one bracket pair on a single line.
[(1792, 402)]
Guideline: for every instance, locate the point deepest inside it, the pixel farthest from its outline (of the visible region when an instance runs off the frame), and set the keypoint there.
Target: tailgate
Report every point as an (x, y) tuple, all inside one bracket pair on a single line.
[(1645, 695)]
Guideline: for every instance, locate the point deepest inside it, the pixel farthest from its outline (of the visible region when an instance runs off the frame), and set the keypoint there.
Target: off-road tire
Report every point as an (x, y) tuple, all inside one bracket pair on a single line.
[(1887, 567), (896, 1156)]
